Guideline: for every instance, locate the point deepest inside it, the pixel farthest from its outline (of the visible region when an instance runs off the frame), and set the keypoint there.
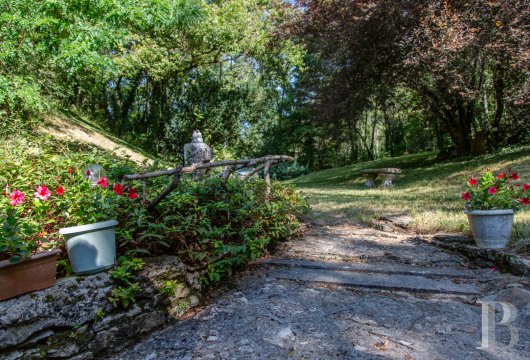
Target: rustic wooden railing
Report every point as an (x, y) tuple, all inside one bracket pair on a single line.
[(259, 164)]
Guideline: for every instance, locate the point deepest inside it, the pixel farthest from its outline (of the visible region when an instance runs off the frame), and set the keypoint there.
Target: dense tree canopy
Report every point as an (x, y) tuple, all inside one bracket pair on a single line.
[(393, 76), (152, 70), (330, 81)]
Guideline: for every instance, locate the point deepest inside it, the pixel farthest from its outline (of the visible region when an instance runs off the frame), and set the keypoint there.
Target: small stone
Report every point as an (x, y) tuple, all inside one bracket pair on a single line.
[(212, 338), (285, 338), (35, 338), (246, 349), (63, 352), (84, 356), (194, 300), (359, 348)]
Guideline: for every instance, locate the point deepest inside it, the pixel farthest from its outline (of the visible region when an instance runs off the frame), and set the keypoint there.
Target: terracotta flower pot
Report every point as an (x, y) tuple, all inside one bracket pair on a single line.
[(34, 273)]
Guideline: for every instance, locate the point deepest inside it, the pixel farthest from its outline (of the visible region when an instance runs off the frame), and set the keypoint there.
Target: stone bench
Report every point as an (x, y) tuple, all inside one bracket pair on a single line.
[(372, 174)]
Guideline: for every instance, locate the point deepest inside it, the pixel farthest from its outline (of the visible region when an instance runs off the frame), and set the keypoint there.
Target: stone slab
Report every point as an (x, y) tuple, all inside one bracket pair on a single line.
[(383, 268), (375, 281)]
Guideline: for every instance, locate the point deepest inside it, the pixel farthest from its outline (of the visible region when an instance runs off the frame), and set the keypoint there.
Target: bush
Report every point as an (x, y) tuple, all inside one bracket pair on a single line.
[(285, 171), (208, 224), (215, 225)]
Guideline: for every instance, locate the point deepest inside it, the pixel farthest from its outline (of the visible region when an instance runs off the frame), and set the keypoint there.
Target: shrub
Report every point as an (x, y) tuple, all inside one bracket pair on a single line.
[(285, 171), (214, 225), (209, 224)]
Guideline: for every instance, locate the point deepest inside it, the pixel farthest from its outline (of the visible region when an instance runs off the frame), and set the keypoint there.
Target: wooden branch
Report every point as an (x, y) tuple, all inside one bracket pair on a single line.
[(267, 177), (192, 168), (166, 192), (254, 172), (153, 174), (227, 172), (230, 166)]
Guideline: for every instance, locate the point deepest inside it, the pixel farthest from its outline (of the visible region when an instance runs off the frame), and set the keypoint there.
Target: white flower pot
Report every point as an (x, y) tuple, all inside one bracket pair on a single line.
[(492, 229), (91, 248)]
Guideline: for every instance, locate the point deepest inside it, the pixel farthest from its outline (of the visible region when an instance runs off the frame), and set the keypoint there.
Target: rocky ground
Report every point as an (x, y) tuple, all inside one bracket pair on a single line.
[(345, 291)]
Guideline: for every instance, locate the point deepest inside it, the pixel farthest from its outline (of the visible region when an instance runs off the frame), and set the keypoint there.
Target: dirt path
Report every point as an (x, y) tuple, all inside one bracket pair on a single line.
[(345, 291)]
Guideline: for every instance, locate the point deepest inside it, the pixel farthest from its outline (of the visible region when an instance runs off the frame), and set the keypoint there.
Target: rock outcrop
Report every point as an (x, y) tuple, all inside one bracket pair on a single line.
[(74, 319)]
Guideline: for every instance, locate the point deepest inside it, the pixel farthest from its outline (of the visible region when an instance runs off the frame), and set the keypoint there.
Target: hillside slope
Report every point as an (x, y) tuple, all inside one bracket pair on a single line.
[(428, 190), (76, 129)]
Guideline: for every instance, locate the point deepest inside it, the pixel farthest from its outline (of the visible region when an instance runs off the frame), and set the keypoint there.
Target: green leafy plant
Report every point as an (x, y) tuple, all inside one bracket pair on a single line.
[(169, 288), (18, 237), (100, 314), (124, 295), (496, 192), (125, 291)]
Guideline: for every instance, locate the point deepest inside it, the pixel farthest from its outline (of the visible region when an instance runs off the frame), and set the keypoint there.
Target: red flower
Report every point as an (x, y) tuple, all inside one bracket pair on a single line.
[(492, 190), (466, 196), (118, 189), (524, 201), (103, 182), (515, 176), (71, 171), (16, 198), (5, 190), (472, 181), (132, 193), (526, 187), (501, 175), (59, 191), (42, 192), (88, 173)]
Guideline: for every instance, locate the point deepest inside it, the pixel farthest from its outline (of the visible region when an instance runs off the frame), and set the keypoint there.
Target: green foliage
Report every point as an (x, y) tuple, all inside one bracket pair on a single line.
[(152, 71), (125, 290), (33, 223), (19, 238), (207, 224), (169, 288), (215, 225), (495, 192), (285, 171)]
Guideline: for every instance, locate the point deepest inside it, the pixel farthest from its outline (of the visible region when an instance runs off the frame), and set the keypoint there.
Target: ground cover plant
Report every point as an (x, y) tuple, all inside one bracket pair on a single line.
[(429, 190), (209, 224)]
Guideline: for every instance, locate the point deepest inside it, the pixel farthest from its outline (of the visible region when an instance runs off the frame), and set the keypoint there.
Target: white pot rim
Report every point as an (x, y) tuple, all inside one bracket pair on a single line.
[(89, 227), (490, 212)]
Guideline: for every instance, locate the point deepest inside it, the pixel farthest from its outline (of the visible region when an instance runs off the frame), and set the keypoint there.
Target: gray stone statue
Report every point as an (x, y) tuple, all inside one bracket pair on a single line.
[(197, 152)]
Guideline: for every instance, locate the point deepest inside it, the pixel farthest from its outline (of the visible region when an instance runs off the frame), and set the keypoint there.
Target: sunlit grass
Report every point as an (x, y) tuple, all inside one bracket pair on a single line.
[(428, 190)]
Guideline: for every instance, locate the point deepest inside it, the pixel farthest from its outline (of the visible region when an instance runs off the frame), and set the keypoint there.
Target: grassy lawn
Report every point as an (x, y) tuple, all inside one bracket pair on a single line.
[(428, 190)]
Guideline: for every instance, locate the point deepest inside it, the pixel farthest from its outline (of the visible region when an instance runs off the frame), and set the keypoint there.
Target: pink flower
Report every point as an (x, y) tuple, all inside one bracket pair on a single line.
[(42, 192), (132, 193), (59, 191), (472, 181), (118, 189), (526, 187), (524, 201), (103, 182), (16, 198), (466, 196), (493, 268), (492, 190)]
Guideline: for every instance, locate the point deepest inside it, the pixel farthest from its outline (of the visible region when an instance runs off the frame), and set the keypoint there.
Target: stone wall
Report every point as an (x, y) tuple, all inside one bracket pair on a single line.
[(74, 318)]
